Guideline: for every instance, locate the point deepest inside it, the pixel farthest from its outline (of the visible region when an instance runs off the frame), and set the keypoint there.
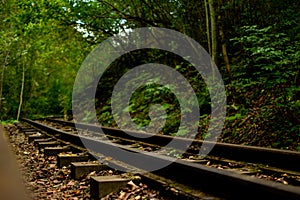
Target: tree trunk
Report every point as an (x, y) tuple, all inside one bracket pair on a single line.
[(207, 28), (22, 89), (2, 76), (213, 25), (224, 50)]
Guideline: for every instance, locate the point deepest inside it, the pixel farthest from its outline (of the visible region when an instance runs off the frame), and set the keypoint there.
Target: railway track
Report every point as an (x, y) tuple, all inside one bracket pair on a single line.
[(229, 171)]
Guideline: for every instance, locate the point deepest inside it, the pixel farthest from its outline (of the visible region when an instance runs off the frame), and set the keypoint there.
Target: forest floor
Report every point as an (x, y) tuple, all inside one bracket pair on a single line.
[(46, 181)]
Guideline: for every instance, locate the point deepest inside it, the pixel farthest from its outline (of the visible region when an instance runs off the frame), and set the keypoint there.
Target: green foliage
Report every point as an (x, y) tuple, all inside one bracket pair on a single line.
[(269, 57), (8, 122), (234, 117), (175, 153), (265, 88), (51, 51), (151, 94), (52, 38)]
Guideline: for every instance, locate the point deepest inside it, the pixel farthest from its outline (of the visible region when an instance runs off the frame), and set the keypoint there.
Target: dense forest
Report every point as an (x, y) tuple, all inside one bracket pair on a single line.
[(254, 43)]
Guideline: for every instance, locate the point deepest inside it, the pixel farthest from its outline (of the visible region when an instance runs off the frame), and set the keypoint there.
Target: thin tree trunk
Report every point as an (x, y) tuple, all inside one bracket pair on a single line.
[(224, 51), (213, 30), (207, 27), (2, 76), (22, 90)]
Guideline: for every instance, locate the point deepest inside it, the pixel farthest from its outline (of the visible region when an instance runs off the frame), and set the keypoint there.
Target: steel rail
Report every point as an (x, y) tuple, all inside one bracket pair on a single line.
[(211, 180), (283, 159)]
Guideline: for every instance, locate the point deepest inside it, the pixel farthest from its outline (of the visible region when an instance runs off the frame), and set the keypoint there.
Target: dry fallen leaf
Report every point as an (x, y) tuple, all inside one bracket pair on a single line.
[(133, 186), (93, 173)]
